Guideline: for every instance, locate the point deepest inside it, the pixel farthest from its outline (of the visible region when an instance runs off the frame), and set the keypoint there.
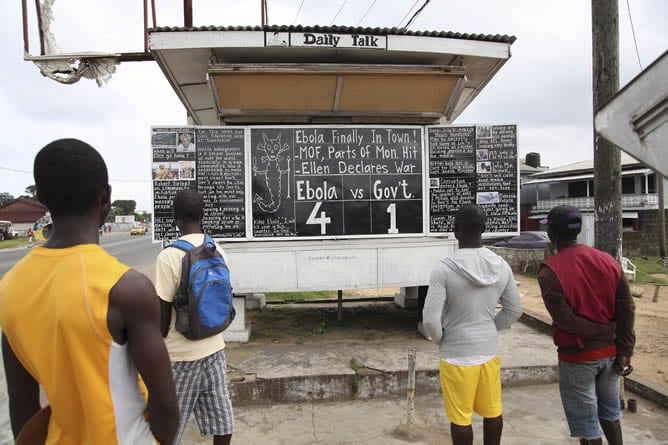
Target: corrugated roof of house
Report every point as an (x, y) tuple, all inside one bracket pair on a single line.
[(582, 166), (24, 201), (345, 30)]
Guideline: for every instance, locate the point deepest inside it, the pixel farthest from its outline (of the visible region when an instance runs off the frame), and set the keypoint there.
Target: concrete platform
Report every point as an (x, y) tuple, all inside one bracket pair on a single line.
[(532, 415), (345, 390), (280, 373)]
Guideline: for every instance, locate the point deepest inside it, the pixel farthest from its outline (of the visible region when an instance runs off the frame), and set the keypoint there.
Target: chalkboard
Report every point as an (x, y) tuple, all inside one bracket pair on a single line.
[(473, 165), (210, 160), (336, 181)]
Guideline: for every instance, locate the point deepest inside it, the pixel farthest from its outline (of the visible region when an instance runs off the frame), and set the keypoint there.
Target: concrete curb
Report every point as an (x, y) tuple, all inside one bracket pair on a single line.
[(363, 384), (635, 384)]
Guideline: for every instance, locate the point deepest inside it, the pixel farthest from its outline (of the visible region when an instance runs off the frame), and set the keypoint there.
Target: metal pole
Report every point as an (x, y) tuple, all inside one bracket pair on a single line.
[(153, 12), (662, 215), (26, 39), (262, 12), (38, 7), (145, 26), (607, 156), (188, 13), (410, 412), (339, 305)]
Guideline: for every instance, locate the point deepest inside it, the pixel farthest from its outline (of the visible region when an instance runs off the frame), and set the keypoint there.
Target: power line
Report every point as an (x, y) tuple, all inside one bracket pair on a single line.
[(298, 11), (367, 11), (407, 12), (634, 34), (15, 170), (111, 180), (417, 13), (339, 11)]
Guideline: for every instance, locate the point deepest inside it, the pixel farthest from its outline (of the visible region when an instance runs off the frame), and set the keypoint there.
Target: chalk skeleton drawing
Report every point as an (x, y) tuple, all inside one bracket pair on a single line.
[(272, 171)]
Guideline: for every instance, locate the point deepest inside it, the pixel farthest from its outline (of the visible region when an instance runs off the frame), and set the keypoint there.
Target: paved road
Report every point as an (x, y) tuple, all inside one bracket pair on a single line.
[(136, 251)]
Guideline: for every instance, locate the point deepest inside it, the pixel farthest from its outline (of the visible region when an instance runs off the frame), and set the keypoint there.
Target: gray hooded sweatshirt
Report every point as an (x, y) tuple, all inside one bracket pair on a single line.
[(459, 311)]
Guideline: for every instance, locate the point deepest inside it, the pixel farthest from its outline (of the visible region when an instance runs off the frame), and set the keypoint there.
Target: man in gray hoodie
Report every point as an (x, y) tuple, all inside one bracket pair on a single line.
[(460, 316)]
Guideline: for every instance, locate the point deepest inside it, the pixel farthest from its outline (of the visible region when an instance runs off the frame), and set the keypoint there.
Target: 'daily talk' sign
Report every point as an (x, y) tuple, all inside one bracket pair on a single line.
[(325, 40)]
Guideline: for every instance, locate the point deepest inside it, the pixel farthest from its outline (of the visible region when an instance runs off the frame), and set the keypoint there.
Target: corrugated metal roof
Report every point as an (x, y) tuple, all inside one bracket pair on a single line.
[(588, 165), (344, 30), (23, 202), (643, 171)]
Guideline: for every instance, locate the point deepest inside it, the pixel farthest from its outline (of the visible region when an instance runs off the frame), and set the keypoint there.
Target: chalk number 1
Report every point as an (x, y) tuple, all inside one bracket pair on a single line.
[(392, 210)]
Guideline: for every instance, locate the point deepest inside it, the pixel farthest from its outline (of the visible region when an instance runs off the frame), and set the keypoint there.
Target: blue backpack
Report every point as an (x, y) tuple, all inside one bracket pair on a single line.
[(203, 301)]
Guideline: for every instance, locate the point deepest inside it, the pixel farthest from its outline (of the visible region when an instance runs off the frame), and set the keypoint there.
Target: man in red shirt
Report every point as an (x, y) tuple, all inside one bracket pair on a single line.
[(593, 314)]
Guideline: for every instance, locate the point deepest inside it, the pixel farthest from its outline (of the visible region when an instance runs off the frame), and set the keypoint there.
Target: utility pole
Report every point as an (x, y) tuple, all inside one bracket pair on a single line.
[(607, 157), (658, 177)]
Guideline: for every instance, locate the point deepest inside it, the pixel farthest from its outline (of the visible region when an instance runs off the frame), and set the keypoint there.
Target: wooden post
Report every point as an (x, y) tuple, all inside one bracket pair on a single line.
[(658, 177), (410, 410), (339, 305), (607, 157)]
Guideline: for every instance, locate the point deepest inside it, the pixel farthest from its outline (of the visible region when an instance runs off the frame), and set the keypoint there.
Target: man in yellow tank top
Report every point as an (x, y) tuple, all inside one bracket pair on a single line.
[(81, 324)]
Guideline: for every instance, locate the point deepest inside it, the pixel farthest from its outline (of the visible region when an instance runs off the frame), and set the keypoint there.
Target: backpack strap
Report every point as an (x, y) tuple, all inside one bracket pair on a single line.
[(182, 245), (208, 240), (182, 288)]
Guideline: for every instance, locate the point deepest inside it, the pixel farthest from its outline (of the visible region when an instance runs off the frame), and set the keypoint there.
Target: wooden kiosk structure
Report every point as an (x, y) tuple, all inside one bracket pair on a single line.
[(326, 154), (325, 81)]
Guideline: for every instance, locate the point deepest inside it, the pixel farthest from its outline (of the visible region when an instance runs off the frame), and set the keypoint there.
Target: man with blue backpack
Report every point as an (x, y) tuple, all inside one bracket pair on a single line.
[(193, 283)]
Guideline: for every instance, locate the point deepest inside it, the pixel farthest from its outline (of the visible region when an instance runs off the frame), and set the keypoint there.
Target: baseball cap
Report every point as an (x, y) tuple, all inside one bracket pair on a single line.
[(564, 217)]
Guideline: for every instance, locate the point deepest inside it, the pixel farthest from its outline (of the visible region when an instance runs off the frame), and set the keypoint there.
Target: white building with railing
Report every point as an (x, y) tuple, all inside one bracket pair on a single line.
[(573, 184)]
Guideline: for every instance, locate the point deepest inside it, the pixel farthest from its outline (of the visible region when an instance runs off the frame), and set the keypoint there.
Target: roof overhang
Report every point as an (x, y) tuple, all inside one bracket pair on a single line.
[(636, 119), (331, 90), (261, 75)]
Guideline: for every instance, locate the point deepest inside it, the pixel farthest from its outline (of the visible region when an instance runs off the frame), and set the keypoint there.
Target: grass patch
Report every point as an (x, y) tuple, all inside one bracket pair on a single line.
[(272, 336), (312, 295), (648, 267), (11, 243), (355, 385), (299, 296)]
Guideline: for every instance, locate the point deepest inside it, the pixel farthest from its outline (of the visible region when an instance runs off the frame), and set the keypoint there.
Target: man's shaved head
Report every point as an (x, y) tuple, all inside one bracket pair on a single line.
[(471, 219)]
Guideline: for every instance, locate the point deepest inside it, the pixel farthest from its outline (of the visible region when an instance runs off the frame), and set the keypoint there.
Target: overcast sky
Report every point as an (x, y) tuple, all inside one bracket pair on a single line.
[(545, 87)]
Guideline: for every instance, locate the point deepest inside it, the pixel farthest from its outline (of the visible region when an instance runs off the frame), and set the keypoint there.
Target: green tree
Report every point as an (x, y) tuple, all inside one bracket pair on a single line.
[(5, 198), (143, 216), (124, 206), (31, 190)]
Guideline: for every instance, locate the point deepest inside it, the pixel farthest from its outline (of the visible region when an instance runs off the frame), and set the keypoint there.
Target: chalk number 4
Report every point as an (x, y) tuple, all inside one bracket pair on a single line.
[(323, 219)]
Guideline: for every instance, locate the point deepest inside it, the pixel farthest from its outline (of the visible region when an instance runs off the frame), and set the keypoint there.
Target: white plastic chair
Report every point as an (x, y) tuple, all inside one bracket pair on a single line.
[(629, 269)]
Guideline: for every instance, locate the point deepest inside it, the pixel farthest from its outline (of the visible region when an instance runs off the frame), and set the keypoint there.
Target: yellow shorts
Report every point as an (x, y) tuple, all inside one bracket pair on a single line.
[(471, 388)]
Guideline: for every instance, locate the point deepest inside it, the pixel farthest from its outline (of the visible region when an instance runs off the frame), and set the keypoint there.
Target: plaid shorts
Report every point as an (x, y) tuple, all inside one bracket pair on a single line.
[(201, 386)]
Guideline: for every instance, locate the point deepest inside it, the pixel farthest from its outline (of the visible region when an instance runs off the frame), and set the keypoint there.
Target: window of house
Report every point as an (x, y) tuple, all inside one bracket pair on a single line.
[(577, 189), (651, 184), (628, 185), (630, 225)]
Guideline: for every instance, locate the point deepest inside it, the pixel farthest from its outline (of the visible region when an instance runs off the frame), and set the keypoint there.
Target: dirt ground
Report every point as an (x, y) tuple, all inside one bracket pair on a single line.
[(650, 360), (314, 323)]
